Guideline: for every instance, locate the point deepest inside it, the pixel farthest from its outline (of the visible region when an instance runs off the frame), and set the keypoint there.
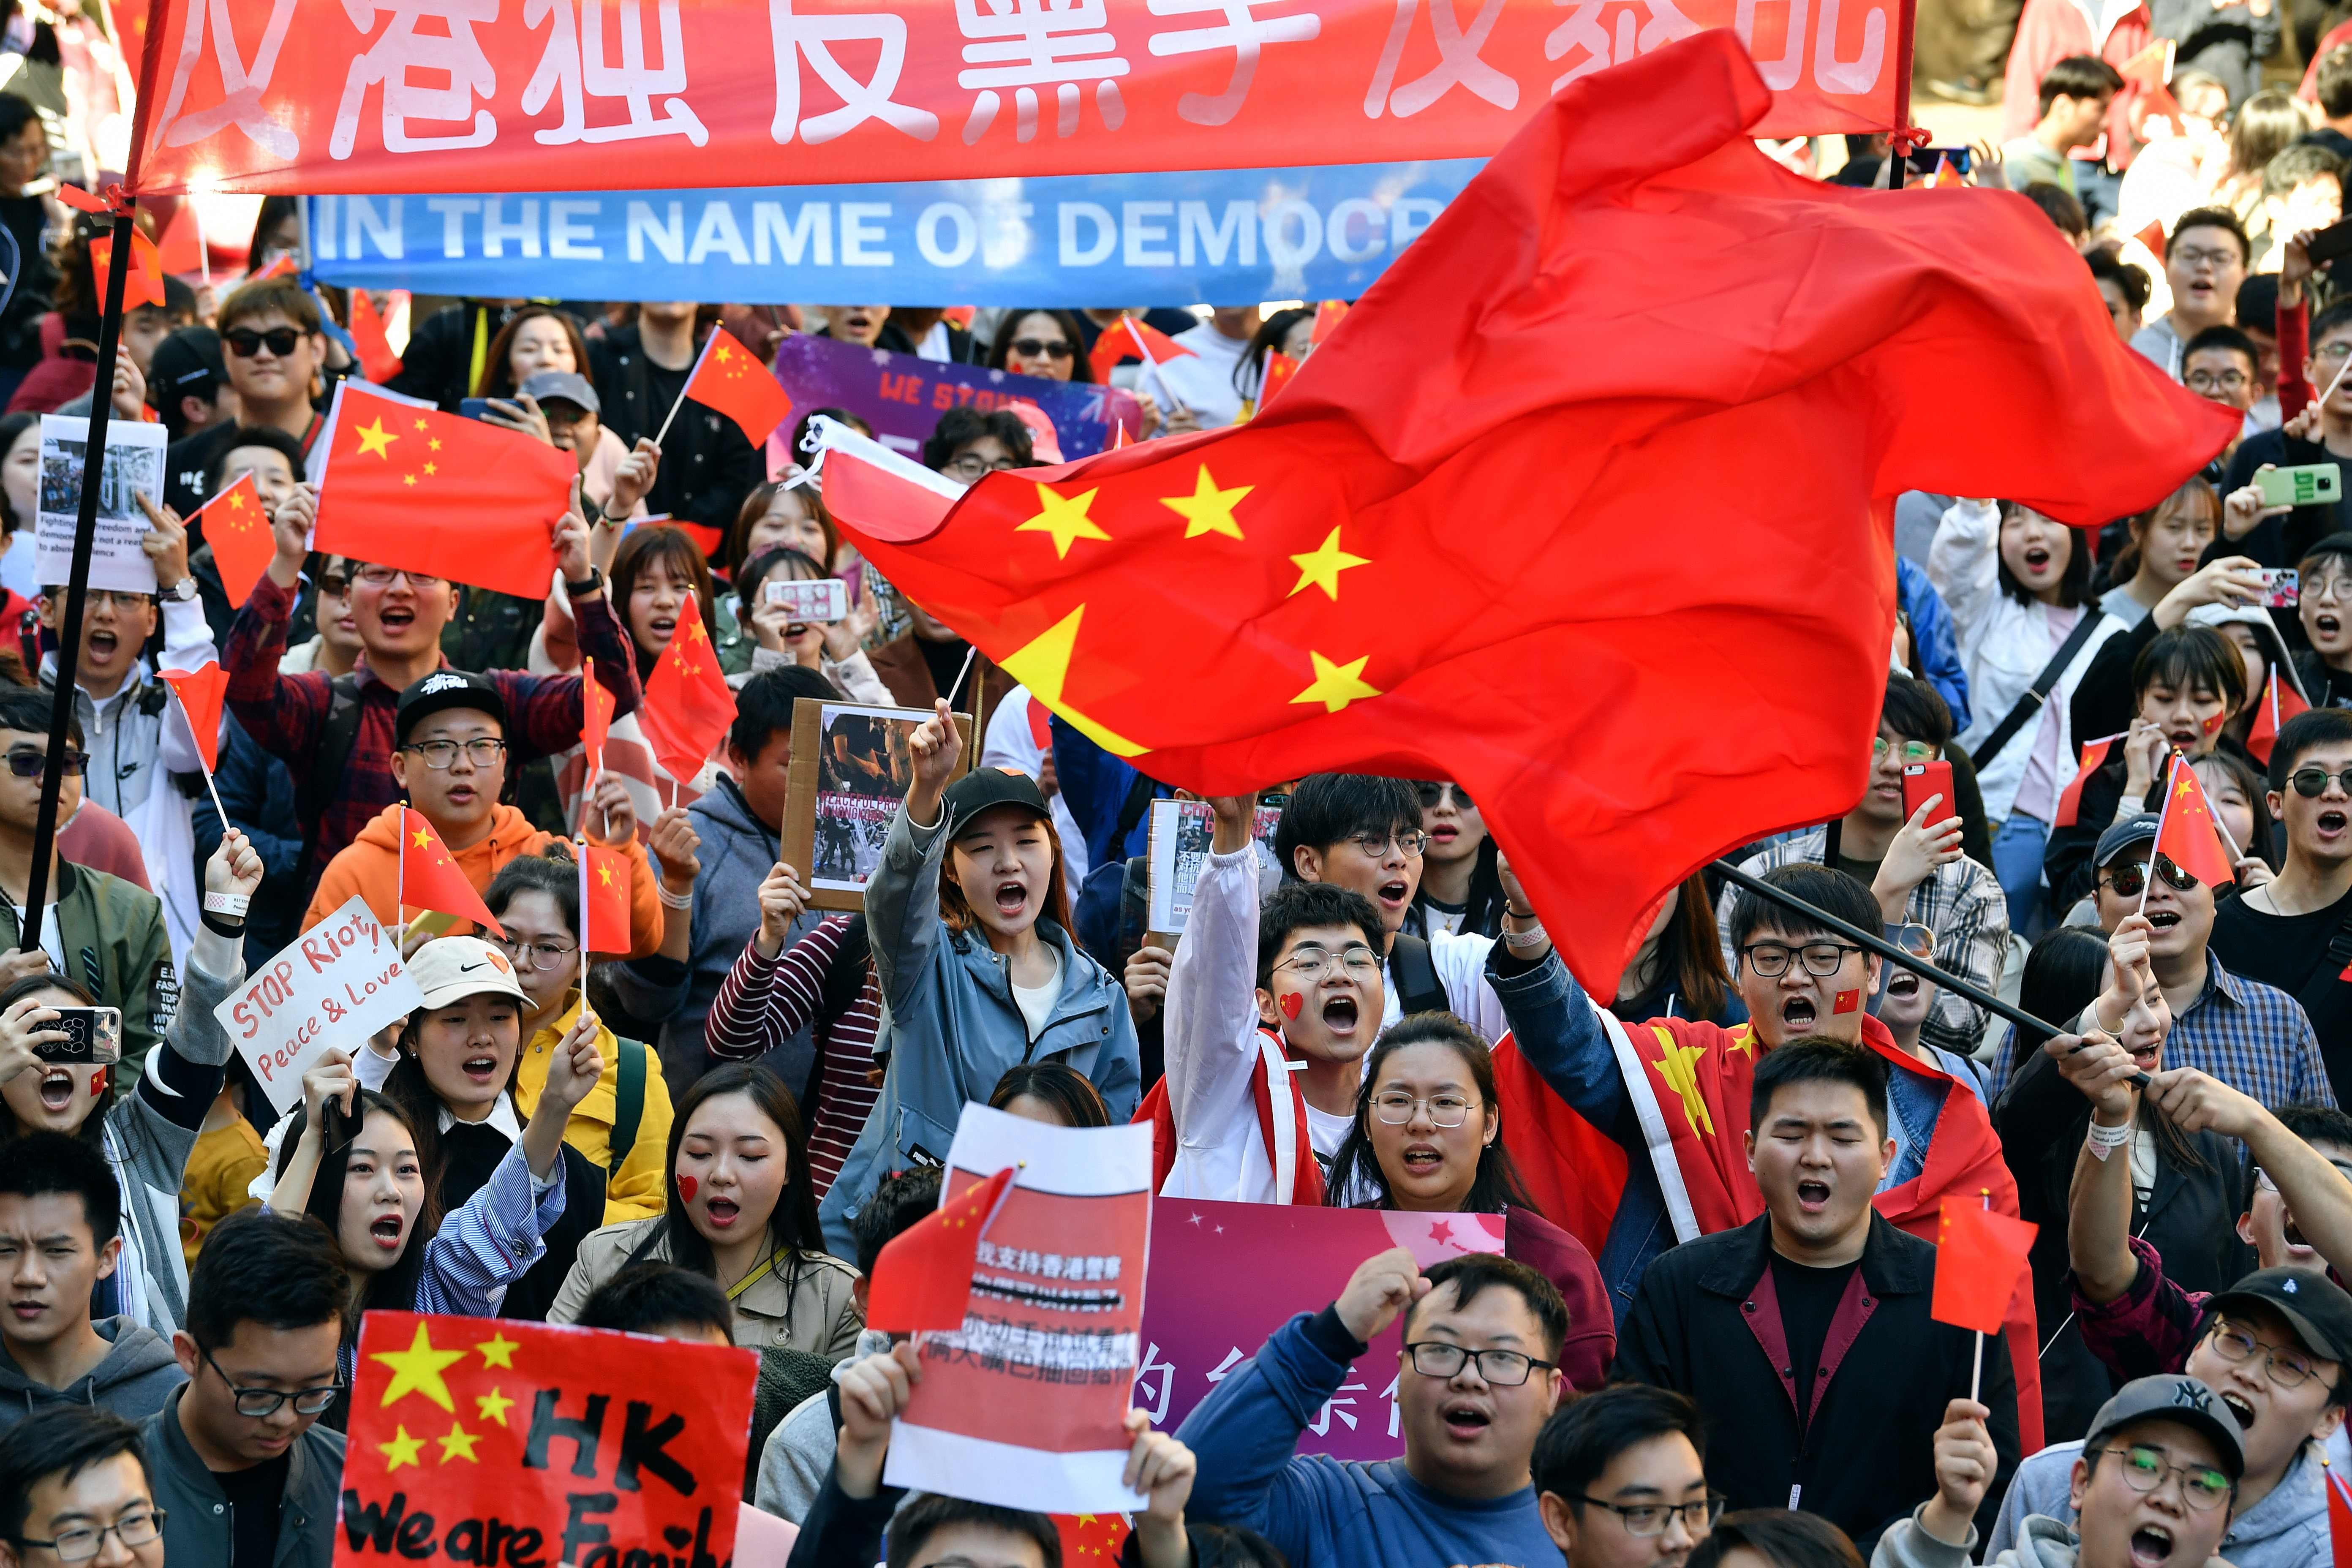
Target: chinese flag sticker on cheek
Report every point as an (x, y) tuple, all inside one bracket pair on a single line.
[(1847, 1001), (481, 1439)]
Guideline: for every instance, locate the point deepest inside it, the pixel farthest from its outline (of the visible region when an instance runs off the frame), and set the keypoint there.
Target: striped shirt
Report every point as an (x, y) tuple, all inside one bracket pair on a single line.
[(764, 1002)]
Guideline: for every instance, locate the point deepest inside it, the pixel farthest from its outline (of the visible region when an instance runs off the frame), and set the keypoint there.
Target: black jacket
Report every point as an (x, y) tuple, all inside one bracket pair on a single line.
[(1700, 1323), (707, 467), (439, 361), (469, 1152)]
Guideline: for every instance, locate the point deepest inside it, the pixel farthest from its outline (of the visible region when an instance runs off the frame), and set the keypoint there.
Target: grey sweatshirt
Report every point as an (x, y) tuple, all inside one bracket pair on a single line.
[(2288, 1529), (2041, 1542), (131, 1382)]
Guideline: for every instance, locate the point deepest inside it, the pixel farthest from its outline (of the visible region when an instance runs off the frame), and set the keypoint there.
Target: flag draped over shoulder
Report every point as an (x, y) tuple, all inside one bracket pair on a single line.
[(1585, 504)]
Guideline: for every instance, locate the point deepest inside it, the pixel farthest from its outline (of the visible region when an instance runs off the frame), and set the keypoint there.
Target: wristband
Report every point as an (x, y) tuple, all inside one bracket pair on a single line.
[(674, 900), (1519, 940), (1519, 914), (591, 583), (2104, 1141), (228, 904), (233, 929)]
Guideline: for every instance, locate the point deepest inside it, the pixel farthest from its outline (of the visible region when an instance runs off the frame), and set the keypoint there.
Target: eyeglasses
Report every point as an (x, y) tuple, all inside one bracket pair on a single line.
[(2203, 1487), (1413, 841), (2193, 259), (2262, 1177), (1049, 347), (1396, 1107), (1432, 793), (1311, 964), (334, 585), (971, 467), (2333, 587), (80, 1545), (482, 752), (2328, 354), (381, 576), (1650, 1518), (2130, 877), (1503, 1369), (538, 954), (27, 763), (2210, 381), (245, 342), (1913, 751), (263, 1402), (2285, 1368), (1770, 959), (2312, 782), (120, 601)]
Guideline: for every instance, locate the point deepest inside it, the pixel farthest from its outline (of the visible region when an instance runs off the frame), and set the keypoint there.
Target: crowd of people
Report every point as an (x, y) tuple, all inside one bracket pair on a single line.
[(1712, 1334)]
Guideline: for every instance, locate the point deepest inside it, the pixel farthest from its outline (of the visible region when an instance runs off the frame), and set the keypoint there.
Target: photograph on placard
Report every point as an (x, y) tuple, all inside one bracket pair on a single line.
[(852, 766), (1179, 851), (134, 467)]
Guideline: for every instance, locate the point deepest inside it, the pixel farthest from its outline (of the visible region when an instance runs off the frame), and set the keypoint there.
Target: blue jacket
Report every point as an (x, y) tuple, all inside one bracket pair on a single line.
[(1322, 1511), (951, 1028), (1931, 627), (1094, 787), (259, 794)]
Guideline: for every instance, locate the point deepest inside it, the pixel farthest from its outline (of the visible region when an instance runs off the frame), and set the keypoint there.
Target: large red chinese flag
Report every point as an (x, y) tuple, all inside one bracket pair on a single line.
[(922, 1280), (431, 879), (236, 525), (1979, 1256), (1601, 471), (433, 492), (2281, 701), (730, 379), (687, 705), (200, 692), (2187, 834)]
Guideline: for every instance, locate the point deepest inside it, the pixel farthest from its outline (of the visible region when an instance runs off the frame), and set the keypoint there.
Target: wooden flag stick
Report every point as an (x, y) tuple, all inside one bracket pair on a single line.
[(679, 402), (971, 653)]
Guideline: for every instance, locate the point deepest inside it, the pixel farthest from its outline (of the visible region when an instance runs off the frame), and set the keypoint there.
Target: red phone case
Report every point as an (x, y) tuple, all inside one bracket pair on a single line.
[(1921, 780)]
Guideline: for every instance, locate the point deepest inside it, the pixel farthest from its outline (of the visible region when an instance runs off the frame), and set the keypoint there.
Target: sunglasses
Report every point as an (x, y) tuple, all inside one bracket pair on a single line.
[(1031, 348), (2312, 782), (2128, 879), (27, 763), (1430, 793), (245, 342)]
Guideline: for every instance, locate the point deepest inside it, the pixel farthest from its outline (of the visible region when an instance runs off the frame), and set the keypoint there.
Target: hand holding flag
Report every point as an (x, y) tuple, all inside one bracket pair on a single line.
[(1129, 337)]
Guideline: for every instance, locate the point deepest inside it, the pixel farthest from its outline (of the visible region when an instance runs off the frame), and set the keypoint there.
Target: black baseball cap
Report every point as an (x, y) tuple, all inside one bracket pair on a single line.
[(189, 361), (441, 690), (2124, 835), (2174, 1396), (2315, 1307), (983, 788)]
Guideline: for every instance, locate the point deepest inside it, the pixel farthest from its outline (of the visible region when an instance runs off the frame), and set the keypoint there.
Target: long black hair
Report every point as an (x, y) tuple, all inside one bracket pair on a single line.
[(794, 1233), (392, 1290), (1355, 1166)]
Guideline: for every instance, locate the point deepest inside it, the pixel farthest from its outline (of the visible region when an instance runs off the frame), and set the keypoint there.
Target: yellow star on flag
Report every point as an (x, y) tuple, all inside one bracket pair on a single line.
[(420, 424), (376, 438), (423, 839), (722, 353), (493, 1405), (1208, 510), (237, 500), (1042, 665), (435, 442), (604, 874), (1065, 517), (1321, 566), (1337, 685), (458, 1444), (1679, 1064), (498, 1351), (402, 1450), (432, 468), (408, 478), (417, 1370)]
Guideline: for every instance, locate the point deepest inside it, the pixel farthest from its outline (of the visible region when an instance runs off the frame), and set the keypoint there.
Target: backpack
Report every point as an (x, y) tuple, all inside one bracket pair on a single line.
[(1419, 990)]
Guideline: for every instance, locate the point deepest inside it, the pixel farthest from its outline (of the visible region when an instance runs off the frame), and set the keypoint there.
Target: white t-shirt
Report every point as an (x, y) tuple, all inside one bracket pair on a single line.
[(1036, 1002), (1327, 1132)]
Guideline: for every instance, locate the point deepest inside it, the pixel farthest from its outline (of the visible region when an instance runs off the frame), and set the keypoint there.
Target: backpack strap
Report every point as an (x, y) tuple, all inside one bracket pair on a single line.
[(1419, 990), (2029, 706), (338, 738), (628, 1106)]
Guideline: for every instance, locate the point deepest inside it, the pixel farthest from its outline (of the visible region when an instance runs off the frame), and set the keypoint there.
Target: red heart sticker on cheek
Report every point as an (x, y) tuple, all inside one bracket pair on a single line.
[(1291, 1004), (686, 1187), (1847, 1001)]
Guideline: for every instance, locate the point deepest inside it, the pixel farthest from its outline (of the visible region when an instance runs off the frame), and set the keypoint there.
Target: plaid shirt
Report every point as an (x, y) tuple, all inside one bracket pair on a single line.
[(2147, 1329), (1960, 902), (287, 713)]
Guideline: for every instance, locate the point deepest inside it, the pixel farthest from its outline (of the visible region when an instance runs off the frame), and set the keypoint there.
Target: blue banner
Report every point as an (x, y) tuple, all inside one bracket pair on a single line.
[(1219, 237)]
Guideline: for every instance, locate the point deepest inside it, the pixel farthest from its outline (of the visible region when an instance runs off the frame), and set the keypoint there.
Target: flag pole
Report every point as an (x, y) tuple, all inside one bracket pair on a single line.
[(971, 652), (1976, 1364), (679, 402), (2162, 813), (61, 713), (1871, 942), (1145, 350)]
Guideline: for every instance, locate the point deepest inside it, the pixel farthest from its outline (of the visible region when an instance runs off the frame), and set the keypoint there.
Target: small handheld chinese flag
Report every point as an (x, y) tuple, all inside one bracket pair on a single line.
[(2281, 701), (377, 361), (143, 283), (236, 525), (1128, 339), (596, 715), (1980, 1256), (1327, 319), (687, 705), (604, 900), (431, 879), (1279, 368), (922, 1280), (2187, 835), (200, 692), (728, 379), (2094, 756), (2339, 1517)]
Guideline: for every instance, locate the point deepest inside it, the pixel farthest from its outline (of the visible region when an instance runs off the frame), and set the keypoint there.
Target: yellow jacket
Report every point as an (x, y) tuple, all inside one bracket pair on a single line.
[(636, 1191), (225, 1160)]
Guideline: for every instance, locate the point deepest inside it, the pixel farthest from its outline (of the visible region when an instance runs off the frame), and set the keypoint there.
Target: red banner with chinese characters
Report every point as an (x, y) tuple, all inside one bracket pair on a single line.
[(390, 96), (488, 1439)]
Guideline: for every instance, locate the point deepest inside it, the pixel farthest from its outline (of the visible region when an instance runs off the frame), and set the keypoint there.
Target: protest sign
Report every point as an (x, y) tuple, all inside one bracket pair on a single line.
[(1198, 1328), (1214, 237), (341, 981), (559, 95), (134, 467), (1180, 834), (851, 767), (1022, 1406), (902, 396), (486, 1440)]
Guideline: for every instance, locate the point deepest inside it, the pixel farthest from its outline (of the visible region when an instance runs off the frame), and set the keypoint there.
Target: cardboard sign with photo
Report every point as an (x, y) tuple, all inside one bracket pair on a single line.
[(851, 769), (1180, 834)]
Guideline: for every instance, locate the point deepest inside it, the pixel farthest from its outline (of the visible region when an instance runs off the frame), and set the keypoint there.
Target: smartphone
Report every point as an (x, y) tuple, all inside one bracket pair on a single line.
[(1923, 163), (473, 407), (825, 599), (1921, 780), (2283, 587), (93, 1037), (2330, 244), (2304, 484)]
